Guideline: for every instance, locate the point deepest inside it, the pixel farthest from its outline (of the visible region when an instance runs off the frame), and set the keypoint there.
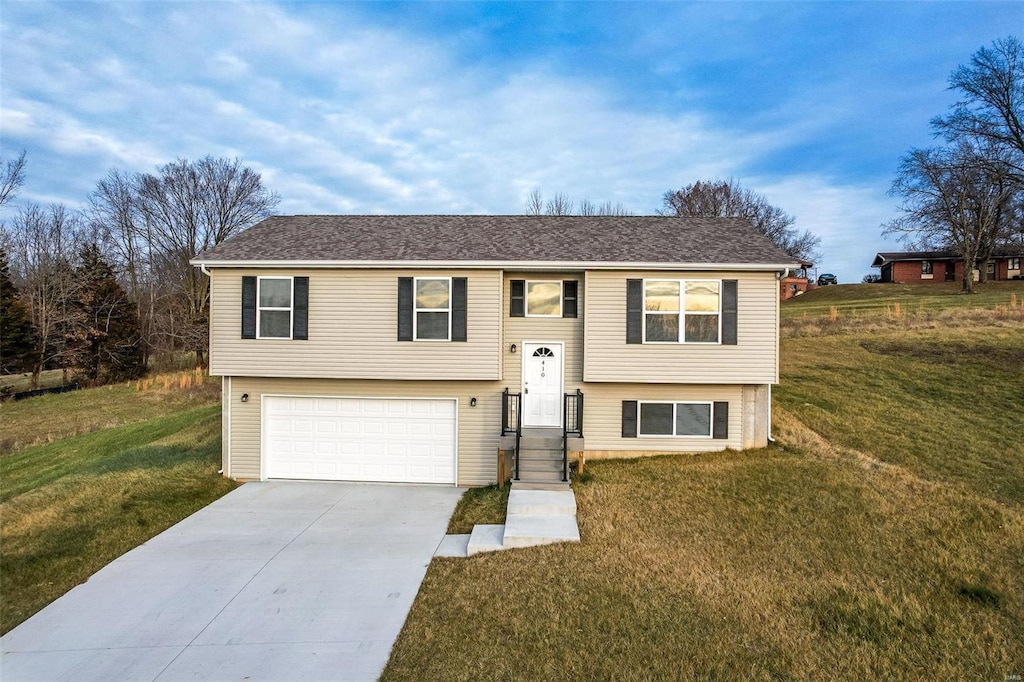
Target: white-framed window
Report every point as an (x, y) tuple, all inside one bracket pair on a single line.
[(1014, 264), (544, 298), (926, 267), (689, 419), (432, 309), (274, 301), (682, 311)]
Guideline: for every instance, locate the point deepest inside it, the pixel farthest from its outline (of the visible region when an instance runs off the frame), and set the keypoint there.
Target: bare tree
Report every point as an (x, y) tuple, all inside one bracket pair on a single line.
[(992, 107), (12, 177), (192, 206), (42, 246), (560, 204), (122, 228), (535, 203), (728, 199), (607, 208), (950, 199)]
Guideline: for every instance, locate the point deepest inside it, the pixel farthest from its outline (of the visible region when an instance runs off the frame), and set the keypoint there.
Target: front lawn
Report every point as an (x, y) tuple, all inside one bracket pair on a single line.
[(761, 565), (71, 506), (881, 538)]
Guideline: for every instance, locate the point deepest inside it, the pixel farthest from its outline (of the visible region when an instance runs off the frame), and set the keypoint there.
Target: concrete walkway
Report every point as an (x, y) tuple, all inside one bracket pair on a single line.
[(274, 581)]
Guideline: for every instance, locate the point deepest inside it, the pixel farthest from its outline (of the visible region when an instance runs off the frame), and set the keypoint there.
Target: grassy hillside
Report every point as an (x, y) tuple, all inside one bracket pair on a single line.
[(852, 299), (882, 537), (116, 466)]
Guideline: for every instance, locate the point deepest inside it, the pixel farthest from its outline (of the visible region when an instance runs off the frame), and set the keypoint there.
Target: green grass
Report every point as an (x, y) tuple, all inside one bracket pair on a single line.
[(946, 404), (881, 538), (479, 505), (851, 299), (71, 506), (55, 417)]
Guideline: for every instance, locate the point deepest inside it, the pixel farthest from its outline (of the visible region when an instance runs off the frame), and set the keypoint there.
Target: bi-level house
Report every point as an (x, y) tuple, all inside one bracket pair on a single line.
[(414, 348)]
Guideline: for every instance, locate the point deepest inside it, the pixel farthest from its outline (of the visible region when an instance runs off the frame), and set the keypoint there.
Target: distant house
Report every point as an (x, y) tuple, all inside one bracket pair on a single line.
[(414, 348), (944, 266), (796, 282)]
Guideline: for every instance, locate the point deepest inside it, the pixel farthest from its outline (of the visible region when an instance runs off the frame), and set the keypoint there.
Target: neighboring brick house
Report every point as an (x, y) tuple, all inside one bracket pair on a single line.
[(944, 266), (796, 282)]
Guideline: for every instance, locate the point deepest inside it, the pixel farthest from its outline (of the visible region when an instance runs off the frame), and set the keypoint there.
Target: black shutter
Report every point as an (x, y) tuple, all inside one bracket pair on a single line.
[(570, 293), (458, 309), (248, 307), (720, 421), (517, 298), (634, 310), (729, 312), (629, 419), (405, 308), (300, 314)]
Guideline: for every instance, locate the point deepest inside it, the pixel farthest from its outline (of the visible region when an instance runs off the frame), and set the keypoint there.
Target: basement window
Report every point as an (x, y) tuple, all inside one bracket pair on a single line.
[(675, 419)]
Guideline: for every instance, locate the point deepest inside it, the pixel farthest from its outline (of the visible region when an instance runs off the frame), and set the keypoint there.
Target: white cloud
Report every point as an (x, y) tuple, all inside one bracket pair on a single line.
[(344, 116)]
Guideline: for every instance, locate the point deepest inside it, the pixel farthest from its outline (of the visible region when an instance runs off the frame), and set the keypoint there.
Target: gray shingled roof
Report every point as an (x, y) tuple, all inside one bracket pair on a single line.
[(505, 239)]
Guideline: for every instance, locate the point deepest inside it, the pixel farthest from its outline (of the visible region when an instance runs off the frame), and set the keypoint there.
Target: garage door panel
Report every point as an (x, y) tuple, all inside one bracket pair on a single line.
[(362, 439)]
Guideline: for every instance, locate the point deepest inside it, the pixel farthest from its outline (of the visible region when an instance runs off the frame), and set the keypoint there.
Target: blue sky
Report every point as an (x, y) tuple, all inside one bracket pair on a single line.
[(465, 108)]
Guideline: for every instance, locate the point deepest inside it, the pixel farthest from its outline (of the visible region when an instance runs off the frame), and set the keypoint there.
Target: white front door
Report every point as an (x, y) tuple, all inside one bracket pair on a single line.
[(542, 384)]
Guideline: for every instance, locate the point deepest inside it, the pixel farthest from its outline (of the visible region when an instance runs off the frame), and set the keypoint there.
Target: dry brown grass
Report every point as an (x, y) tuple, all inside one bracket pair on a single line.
[(886, 543), (896, 317), (809, 563), (52, 418)]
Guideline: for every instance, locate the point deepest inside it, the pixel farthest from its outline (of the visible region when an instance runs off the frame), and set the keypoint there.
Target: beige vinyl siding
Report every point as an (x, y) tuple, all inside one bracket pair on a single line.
[(602, 419), (607, 356), (519, 329), (353, 330), (478, 427)]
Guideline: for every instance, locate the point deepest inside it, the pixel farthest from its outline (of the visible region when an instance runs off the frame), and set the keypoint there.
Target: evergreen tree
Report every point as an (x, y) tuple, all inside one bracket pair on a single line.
[(17, 336), (105, 340)]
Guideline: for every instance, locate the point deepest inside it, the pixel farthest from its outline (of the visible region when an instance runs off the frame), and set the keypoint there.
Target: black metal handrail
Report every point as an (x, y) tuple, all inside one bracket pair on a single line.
[(572, 424), (512, 421)]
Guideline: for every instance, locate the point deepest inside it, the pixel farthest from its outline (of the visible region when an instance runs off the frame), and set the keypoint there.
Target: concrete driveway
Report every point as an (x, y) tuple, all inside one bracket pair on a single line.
[(274, 581)]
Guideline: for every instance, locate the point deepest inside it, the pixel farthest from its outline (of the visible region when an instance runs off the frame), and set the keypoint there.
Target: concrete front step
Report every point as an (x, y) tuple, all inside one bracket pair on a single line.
[(541, 503), (534, 517), (486, 538), (530, 531)]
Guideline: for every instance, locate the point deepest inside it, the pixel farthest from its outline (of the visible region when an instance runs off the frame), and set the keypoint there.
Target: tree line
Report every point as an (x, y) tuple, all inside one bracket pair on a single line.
[(967, 193), (107, 290), (701, 199)]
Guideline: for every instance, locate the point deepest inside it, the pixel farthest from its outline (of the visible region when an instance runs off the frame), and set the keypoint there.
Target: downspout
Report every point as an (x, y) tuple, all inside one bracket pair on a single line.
[(784, 274), (227, 436)]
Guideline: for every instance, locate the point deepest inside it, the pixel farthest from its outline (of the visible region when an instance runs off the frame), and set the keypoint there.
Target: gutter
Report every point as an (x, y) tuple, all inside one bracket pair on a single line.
[(204, 264)]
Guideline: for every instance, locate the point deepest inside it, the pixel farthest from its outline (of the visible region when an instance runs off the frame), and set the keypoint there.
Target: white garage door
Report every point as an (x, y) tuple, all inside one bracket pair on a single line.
[(360, 439)]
